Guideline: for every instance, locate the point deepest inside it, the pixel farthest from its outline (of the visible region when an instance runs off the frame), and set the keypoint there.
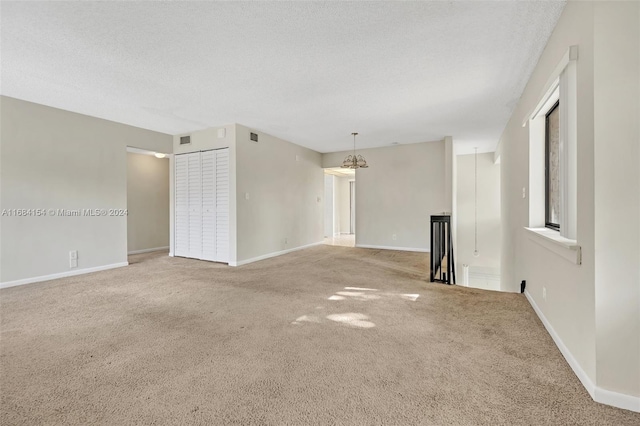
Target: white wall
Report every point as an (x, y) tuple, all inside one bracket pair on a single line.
[(484, 270), (336, 206), (55, 159), (343, 205), (147, 202), (328, 205), (570, 304), (592, 308), (454, 206), (397, 194), (284, 209), (285, 183), (617, 196), (204, 140)]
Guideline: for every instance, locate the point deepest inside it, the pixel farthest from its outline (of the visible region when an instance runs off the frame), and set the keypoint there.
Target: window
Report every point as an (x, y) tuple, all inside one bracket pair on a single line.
[(553, 147), (552, 167)]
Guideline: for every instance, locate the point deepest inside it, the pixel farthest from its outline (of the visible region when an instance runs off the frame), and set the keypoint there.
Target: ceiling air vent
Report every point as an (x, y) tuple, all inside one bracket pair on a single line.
[(254, 137), (185, 140)]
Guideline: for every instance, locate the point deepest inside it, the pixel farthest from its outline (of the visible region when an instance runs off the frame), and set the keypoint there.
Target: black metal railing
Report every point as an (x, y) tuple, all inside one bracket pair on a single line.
[(442, 263)]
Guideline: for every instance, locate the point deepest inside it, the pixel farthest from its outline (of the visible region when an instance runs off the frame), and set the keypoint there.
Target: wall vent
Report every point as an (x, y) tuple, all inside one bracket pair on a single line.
[(254, 137), (185, 140)]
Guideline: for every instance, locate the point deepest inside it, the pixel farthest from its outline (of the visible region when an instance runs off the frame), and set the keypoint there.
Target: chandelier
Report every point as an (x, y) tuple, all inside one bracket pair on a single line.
[(354, 161)]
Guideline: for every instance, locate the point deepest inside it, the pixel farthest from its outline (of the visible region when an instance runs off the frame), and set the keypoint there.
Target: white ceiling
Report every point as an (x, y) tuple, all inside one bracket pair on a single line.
[(311, 73)]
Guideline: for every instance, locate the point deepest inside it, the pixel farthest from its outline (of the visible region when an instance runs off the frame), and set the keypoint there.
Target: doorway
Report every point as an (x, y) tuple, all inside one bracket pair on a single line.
[(340, 207), (147, 201), (352, 206)]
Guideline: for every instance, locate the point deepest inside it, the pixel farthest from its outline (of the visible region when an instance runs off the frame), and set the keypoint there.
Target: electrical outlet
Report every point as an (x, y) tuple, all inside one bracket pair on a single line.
[(524, 192), (246, 195), (286, 241), (394, 237), (73, 259), (544, 293)]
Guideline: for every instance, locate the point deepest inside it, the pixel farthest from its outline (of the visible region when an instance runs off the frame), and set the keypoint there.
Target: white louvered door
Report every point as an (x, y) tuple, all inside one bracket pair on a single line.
[(195, 206), (202, 205), (181, 210), (222, 205), (208, 205)]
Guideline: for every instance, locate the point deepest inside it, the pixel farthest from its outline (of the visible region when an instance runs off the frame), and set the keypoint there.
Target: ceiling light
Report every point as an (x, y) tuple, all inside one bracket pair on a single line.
[(160, 155), (354, 161)]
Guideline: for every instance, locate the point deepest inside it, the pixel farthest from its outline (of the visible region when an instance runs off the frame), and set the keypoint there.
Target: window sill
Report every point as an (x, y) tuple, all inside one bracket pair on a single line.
[(551, 240)]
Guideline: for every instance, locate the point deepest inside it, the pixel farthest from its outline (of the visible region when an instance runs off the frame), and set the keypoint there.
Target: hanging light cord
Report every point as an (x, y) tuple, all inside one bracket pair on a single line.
[(355, 159), (475, 252)]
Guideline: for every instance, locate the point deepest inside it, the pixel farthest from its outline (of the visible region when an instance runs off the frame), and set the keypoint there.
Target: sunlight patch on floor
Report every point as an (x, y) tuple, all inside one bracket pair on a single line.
[(307, 318), (361, 294), (412, 297), (352, 319), (361, 288), (358, 295)]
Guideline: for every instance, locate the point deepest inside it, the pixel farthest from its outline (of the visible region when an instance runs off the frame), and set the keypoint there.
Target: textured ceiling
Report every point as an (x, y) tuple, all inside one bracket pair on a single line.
[(311, 73)]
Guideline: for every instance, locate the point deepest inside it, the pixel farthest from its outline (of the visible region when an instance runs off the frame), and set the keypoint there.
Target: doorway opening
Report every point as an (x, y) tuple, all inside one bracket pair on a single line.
[(147, 201), (340, 207)]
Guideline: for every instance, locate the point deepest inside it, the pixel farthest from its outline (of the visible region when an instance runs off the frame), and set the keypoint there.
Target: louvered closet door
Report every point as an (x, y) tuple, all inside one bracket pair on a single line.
[(202, 205), (195, 205), (222, 204), (215, 205), (208, 205), (181, 211)]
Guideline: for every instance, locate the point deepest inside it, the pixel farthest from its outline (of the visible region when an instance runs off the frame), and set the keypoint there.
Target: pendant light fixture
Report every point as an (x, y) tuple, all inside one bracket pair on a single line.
[(476, 253), (354, 161)]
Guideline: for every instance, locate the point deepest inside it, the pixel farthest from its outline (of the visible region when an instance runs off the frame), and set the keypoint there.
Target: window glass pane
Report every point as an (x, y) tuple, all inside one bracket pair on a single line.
[(553, 166)]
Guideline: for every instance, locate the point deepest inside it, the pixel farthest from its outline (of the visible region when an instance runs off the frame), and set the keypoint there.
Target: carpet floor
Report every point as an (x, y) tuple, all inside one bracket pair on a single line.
[(327, 335)]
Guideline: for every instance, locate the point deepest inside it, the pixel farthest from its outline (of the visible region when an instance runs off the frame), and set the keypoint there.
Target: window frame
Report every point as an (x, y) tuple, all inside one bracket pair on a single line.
[(564, 242), (548, 223)]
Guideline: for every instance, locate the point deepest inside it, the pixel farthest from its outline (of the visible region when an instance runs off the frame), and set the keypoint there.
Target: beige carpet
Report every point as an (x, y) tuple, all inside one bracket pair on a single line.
[(179, 341)]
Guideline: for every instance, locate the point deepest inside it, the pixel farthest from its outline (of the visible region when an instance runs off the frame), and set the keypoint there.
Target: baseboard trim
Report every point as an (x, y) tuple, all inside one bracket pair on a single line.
[(573, 363), (616, 399), (274, 254), (62, 275), (367, 246), (603, 396), (149, 250)]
